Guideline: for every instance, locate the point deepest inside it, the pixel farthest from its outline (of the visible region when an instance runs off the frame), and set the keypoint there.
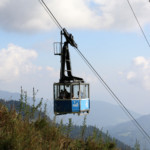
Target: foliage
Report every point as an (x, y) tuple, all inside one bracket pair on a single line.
[(17, 133), (83, 128), (137, 145), (21, 131)]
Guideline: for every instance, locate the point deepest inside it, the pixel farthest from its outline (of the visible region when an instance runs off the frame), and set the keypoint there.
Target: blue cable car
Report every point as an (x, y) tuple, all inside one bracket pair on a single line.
[(71, 98), (71, 94)]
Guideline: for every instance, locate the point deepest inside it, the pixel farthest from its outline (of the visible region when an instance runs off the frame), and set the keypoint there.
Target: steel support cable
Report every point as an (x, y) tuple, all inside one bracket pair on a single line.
[(138, 23), (51, 14), (140, 128)]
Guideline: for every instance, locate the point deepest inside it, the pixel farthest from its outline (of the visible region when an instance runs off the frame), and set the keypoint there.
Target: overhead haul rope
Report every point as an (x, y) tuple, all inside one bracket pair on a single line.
[(51, 14), (141, 129), (135, 122)]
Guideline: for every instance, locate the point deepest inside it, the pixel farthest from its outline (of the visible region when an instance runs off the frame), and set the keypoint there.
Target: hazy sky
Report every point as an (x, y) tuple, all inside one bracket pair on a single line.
[(105, 31)]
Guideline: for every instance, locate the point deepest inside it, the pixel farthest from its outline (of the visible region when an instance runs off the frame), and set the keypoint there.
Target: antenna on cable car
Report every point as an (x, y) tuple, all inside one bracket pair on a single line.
[(71, 94)]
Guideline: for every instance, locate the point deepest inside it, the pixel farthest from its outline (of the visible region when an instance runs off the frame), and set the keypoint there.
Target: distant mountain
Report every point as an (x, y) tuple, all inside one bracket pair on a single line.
[(16, 104), (128, 133), (8, 95), (102, 114), (106, 114), (16, 96)]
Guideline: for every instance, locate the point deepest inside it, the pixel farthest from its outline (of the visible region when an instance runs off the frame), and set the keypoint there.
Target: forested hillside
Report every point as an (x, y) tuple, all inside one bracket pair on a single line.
[(26, 127)]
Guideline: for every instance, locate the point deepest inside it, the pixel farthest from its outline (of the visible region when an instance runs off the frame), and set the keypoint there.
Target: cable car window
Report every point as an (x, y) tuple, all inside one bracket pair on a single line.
[(75, 94), (67, 91), (61, 92), (55, 92), (62, 87), (82, 91), (87, 91)]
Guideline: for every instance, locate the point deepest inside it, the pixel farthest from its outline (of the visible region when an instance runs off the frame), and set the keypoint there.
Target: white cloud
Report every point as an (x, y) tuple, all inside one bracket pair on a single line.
[(49, 68), (131, 75), (26, 15), (140, 73), (14, 61), (52, 72), (141, 61), (23, 15), (18, 69), (120, 73), (121, 14)]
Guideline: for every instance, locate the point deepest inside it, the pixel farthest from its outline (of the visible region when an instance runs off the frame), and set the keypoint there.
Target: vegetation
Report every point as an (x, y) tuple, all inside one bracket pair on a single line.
[(137, 145), (19, 130)]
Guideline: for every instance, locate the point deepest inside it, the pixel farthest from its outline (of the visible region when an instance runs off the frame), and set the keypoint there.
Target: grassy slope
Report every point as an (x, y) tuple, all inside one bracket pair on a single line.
[(17, 133)]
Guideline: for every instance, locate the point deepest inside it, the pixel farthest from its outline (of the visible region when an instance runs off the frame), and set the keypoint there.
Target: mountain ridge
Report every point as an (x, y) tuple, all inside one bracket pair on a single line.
[(105, 114), (128, 133)]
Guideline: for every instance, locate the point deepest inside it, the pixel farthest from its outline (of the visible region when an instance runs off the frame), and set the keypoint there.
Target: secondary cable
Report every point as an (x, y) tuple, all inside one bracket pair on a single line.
[(138, 23)]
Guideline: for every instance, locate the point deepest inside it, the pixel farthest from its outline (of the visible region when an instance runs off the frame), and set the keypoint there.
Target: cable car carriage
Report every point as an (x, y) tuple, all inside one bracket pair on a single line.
[(71, 94)]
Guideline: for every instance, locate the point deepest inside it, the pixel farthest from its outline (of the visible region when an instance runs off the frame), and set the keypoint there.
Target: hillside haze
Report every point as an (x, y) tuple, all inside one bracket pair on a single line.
[(8, 95), (102, 114), (128, 133)]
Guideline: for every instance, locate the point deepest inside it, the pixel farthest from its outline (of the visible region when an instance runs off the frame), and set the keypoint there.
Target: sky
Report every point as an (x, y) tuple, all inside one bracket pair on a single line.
[(106, 33)]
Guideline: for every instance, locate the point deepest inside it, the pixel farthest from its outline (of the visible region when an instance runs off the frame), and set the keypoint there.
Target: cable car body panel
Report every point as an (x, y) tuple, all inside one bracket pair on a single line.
[(78, 100), (71, 106)]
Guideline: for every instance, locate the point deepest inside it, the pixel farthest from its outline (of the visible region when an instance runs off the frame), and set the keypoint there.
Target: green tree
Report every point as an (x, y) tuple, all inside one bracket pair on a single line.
[(137, 145), (83, 128)]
